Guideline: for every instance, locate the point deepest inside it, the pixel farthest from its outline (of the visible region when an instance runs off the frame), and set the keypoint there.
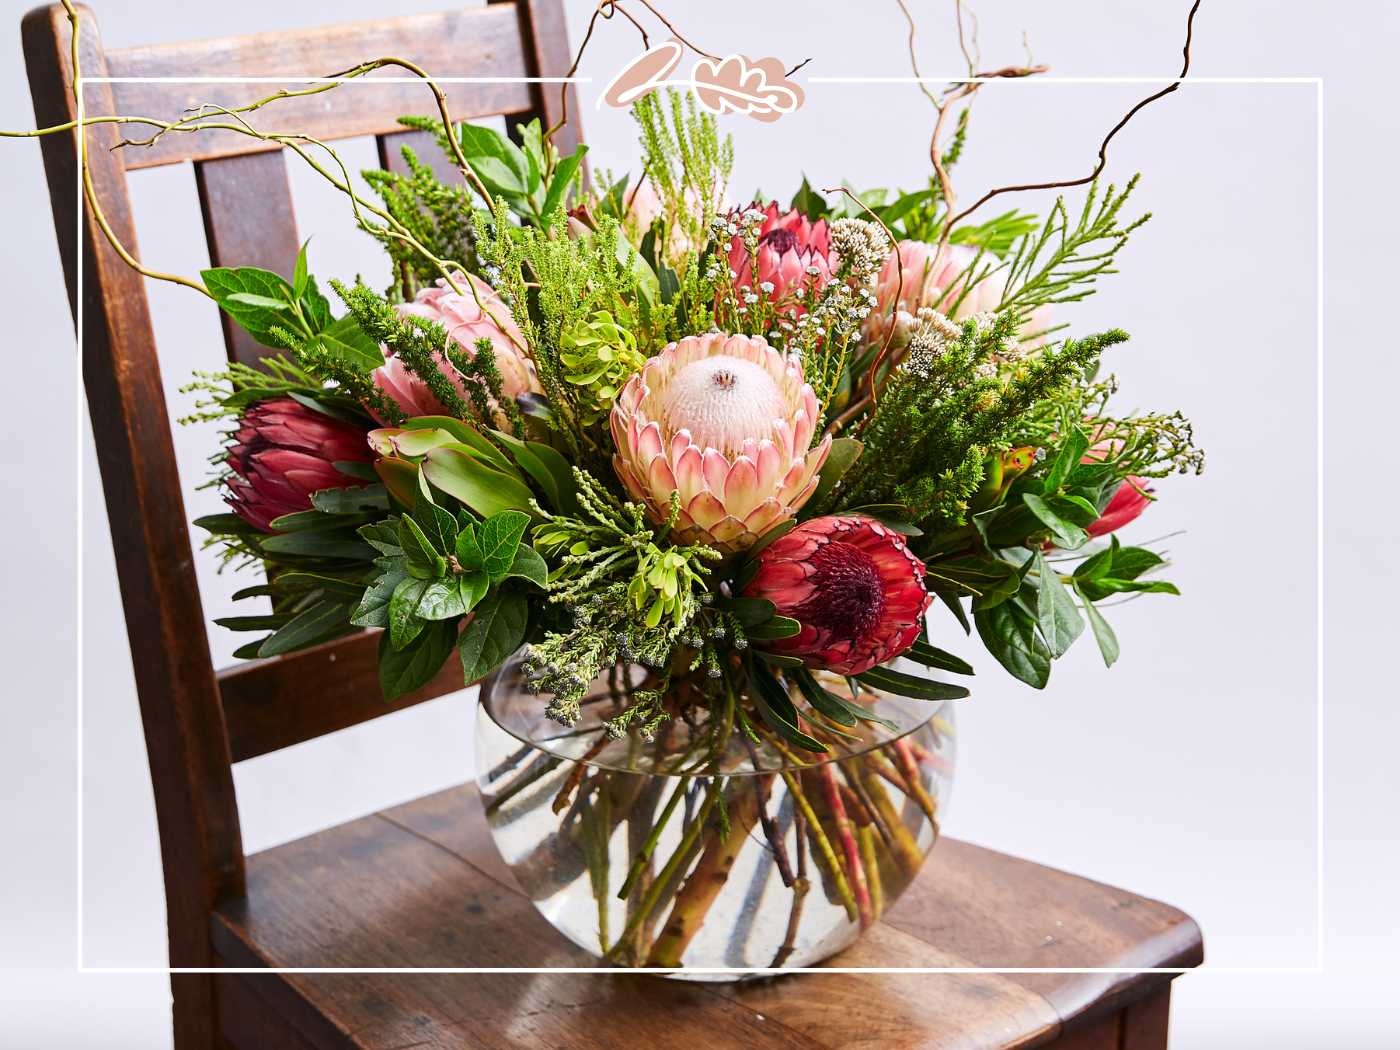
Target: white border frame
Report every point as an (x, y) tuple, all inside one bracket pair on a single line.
[(80, 400)]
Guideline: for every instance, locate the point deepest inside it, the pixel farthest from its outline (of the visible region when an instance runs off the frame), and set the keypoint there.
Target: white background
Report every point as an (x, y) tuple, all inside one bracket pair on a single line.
[(1187, 773)]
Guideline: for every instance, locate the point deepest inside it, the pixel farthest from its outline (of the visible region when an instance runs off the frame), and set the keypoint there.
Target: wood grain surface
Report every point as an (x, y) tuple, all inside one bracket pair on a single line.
[(420, 885)]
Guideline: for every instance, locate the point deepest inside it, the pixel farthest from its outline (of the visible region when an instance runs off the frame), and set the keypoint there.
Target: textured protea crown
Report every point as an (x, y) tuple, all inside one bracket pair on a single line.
[(727, 422), (853, 585)]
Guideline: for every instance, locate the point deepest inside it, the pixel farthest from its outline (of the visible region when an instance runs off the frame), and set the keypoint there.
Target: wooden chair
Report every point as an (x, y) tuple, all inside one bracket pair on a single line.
[(419, 885)]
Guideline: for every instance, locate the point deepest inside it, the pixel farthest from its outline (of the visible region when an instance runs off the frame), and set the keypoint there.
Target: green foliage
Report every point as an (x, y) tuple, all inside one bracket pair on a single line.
[(687, 161), (267, 306), (437, 215), (599, 355)]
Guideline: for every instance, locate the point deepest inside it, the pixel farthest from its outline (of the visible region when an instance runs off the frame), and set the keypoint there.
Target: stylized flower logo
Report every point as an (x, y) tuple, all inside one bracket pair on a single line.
[(757, 87)]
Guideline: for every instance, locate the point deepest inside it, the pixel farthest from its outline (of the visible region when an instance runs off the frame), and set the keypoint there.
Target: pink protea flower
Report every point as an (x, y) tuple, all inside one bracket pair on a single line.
[(792, 251), (727, 422), (466, 322), (281, 453), (852, 583), (937, 279), (1128, 501)]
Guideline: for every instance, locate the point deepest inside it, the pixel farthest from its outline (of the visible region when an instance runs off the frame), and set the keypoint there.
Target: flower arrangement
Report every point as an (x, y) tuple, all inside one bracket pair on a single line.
[(708, 478)]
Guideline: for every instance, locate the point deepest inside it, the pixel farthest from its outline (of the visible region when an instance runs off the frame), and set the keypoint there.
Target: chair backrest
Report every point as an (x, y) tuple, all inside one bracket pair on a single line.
[(198, 721)]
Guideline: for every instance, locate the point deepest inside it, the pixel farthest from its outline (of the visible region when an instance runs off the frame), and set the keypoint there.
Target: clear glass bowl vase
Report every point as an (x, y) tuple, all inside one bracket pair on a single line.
[(674, 853)]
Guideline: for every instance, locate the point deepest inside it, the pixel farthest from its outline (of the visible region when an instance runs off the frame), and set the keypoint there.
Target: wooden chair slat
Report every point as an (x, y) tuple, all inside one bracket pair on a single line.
[(478, 42), (275, 703), (248, 221)]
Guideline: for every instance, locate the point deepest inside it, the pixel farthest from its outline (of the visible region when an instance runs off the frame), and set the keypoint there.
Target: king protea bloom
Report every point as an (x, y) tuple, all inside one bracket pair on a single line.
[(726, 422), (793, 253), (935, 279), (466, 321), (281, 453), (1128, 501), (853, 585)]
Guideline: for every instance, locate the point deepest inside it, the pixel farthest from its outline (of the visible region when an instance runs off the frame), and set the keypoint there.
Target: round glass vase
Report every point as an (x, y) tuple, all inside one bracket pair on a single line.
[(674, 853)]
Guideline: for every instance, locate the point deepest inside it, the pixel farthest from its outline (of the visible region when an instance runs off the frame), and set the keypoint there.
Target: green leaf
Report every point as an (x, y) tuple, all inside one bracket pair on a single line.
[(1066, 534), (405, 623), (317, 623), (807, 681), (809, 202), (347, 343), (989, 580), (914, 686), (322, 543), (402, 671), (300, 276), (931, 656), (530, 566), (564, 173), (481, 142), (1076, 443), (1103, 633), (353, 500), (483, 489), (438, 525), (751, 611), (373, 610), (500, 536), (451, 597), (495, 631), (1058, 616), (775, 707), (478, 443), (773, 628), (422, 560), (468, 548), (239, 291), (841, 457), (383, 536), (1009, 634), (501, 178), (549, 469), (304, 582)]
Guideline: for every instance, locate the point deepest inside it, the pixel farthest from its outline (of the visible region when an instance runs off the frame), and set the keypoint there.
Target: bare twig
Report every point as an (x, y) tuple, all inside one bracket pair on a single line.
[(1103, 147)]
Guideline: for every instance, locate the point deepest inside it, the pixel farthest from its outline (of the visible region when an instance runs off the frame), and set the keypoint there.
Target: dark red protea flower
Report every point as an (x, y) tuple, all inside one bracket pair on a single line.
[(281, 453), (852, 583)]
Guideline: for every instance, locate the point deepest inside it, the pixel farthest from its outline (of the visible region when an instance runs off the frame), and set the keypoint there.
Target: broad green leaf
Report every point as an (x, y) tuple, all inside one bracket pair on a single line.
[(422, 560), (496, 630), (484, 490), (915, 686), (438, 525), (1103, 633), (1058, 616), (324, 543), (225, 284), (530, 566), (480, 445), (304, 582), (931, 656), (404, 620), (353, 500), (1076, 443), (1066, 533), (402, 671), (373, 610), (500, 536), (773, 628), (564, 173), (320, 622), (751, 611), (549, 469), (400, 477), (347, 343), (989, 580), (446, 599), (261, 301), (300, 275), (776, 708), (842, 456), (383, 536), (481, 142), (468, 548), (1009, 634)]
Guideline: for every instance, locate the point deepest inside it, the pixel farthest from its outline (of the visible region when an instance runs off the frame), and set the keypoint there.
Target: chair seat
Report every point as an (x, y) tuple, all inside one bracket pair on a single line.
[(420, 885)]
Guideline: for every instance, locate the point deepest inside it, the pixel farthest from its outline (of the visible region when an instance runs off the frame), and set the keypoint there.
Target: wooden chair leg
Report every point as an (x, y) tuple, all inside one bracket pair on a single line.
[(1145, 1023), (195, 1023)]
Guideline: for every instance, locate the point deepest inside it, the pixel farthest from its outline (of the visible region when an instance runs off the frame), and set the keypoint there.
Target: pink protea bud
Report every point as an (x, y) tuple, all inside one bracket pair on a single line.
[(1128, 501), (726, 422), (466, 321), (793, 253), (281, 453), (944, 280), (853, 585)]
